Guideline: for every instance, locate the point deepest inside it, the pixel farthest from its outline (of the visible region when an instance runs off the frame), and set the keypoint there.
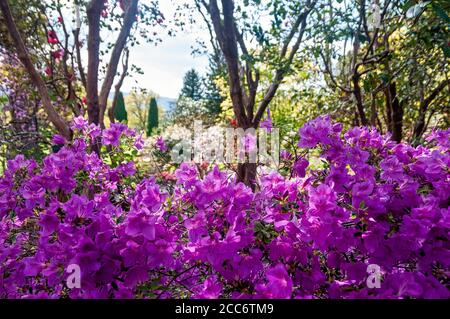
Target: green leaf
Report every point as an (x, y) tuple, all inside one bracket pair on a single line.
[(440, 12), (446, 50), (362, 38), (384, 77), (362, 205), (366, 85)]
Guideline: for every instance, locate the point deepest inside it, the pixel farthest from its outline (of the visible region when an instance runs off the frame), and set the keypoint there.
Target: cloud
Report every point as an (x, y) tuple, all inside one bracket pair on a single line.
[(164, 65)]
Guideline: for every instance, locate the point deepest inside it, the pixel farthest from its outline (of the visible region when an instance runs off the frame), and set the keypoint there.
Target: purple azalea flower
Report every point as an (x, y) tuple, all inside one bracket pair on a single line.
[(322, 198), (140, 224), (320, 130), (161, 144), (207, 236), (279, 284), (392, 169), (442, 138), (186, 174), (139, 142), (58, 140), (111, 136), (78, 207), (93, 131), (299, 168), (49, 223), (212, 289), (285, 155), (79, 123), (267, 123)]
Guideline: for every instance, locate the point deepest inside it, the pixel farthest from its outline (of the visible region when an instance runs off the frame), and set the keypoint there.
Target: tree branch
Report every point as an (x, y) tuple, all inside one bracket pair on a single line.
[(251, 83), (330, 73), (93, 11), (131, 9), (60, 124), (226, 35), (434, 93), (76, 35), (208, 25), (119, 85), (280, 73), (420, 125)]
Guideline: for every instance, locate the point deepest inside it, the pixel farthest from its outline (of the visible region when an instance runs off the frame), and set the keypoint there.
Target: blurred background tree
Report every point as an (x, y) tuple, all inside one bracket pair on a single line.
[(388, 63), (120, 110), (382, 63), (49, 38), (153, 119), (192, 86)]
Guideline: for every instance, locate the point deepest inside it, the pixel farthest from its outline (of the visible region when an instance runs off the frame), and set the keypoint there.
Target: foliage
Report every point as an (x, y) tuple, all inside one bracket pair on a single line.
[(192, 86), (378, 69), (212, 94), (23, 125), (188, 110), (152, 120), (55, 41), (121, 114), (199, 99), (138, 101), (310, 234)]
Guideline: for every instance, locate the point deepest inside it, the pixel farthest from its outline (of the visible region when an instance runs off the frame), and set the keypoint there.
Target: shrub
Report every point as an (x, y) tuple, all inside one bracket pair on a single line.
[(309, 236)]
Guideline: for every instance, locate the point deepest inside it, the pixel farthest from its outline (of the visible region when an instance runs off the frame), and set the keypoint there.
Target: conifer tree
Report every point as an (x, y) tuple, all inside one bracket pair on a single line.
[(152, 120), (120, 112)]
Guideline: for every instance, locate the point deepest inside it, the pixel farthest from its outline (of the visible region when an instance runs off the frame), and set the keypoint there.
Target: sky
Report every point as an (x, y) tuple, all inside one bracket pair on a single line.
[(165, 65)]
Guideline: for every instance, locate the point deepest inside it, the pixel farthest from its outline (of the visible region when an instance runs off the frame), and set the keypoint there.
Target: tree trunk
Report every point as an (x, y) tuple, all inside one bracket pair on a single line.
[(388, 109), (244, 99), (419, 127), (24, 57), (118, 86), (397, 115), (373, 110), (394, 112), (94, 10), (359, 100), (131, 10), (246, 173)]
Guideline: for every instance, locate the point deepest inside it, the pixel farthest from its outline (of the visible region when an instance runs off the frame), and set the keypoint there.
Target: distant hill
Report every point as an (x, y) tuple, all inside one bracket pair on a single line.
[(167, 103)]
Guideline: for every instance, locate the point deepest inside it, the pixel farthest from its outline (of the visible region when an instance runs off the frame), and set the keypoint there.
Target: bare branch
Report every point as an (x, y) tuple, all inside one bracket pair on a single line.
[(251, 83), (434, 93), (330, 73), (280, 73), (131, 10), (208, 25), (301, 17), (76, 34)]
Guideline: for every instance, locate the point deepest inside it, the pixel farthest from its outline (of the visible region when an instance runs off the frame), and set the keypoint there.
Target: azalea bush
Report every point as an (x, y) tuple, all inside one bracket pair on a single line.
[(309, 233)]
